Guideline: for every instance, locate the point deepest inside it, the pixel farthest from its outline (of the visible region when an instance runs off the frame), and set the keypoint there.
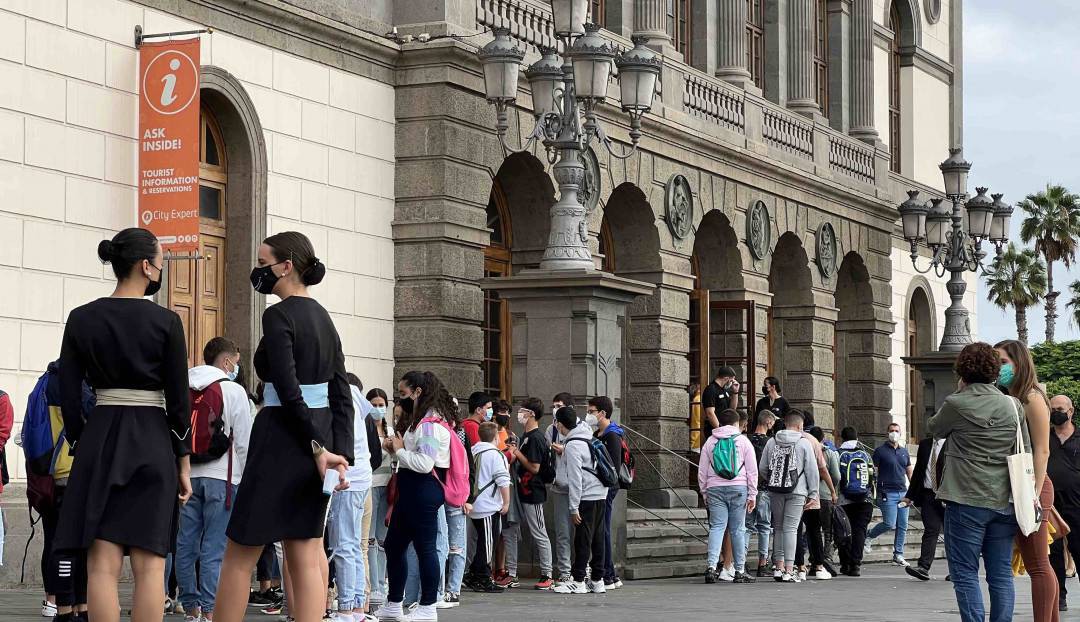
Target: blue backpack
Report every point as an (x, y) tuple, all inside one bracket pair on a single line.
[(602, 466), (37, 441), (856, 467)]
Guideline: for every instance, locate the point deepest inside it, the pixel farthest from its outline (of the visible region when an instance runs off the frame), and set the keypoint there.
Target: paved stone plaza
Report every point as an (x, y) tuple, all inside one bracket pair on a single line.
[(884, 594)]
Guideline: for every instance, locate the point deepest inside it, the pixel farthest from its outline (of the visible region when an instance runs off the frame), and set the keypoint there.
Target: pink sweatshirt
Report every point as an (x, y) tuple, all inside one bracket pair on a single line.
[(747, 459)]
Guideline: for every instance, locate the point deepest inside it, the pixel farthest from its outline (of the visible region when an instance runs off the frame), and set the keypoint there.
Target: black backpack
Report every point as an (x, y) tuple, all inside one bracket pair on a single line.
[(547, 467)]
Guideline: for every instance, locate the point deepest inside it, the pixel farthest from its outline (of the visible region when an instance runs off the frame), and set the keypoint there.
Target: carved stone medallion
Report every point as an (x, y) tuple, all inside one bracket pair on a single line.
[(826, 249), (758, 230), (679, 206), (933, 10), (590, 189)]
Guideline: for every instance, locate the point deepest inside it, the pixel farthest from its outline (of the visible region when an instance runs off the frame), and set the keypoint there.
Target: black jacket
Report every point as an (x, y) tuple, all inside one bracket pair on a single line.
[(917, 490)]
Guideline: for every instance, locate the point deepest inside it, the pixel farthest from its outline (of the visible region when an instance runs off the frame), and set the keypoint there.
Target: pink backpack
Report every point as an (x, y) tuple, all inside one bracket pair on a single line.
[(456, 487)]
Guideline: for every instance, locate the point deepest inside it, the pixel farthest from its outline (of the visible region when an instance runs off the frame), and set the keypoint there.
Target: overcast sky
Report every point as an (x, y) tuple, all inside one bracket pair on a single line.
[(1021, 127)]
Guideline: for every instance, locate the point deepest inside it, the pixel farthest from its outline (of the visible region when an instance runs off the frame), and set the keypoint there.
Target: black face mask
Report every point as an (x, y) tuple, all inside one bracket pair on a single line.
[(406, 404), (263, 278), (1058, 417), (502, 421), (153, 287), (764, 390)]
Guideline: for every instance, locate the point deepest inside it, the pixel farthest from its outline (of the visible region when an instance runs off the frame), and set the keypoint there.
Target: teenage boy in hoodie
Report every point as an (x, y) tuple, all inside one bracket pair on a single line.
[(532, 492), (790, 469), (492, 497), (611, 434), (564, 529), (858, 507), (201, 537), (586, 495), (729, 498)]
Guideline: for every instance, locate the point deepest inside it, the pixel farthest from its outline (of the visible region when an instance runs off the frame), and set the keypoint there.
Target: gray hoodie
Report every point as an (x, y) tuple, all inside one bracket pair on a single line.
[(576, 458), (809, 478)]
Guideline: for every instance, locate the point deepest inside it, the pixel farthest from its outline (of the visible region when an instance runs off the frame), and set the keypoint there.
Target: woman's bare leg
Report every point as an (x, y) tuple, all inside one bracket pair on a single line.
[(234, 583), (308, 571), (149, 571), (103, 564)]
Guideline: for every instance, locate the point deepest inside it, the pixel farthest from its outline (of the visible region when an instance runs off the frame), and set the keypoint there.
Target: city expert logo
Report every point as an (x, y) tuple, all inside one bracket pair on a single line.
[(170, 82)]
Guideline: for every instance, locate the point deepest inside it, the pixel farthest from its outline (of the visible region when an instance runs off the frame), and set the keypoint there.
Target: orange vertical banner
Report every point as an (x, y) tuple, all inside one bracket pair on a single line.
[(169, 143)]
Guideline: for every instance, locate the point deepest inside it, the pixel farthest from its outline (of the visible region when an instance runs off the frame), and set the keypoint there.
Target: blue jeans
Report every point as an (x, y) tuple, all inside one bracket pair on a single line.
[(455, 529), (376, 552), (201, 539), (442, 548), (892, 517), (727, 508), (609, 560), (343, 526), (971, 532), (760, 522), (415, 522)]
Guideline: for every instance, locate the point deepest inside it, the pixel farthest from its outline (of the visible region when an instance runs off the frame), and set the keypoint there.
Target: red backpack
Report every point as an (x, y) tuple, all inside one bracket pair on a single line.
[(208, 439), (456, 488)]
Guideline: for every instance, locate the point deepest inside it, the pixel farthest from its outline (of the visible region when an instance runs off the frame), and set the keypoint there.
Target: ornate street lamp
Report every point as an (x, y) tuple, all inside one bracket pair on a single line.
[(566, 93), (954, 249)]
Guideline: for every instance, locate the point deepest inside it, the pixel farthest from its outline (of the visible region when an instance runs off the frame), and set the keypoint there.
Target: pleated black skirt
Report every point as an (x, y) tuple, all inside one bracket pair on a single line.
[(280, 496), (123, 483)]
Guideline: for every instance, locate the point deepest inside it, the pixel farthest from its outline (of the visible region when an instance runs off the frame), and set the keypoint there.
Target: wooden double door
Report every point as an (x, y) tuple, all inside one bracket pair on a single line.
[(722, 333)]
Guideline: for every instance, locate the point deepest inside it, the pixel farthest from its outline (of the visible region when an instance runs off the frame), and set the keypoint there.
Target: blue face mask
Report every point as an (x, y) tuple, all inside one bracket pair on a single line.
[(231, 375), (488, 414), (377, 412), (1006, 375)]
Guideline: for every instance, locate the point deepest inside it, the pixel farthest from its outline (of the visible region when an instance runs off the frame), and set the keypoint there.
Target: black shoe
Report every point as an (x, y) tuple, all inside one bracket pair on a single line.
[(843, 569), (764, 571), (742, 577), (948, 577), (260, 599), (489, 586), (921, 574), (854, 572), (710, 576), (1063, 604)]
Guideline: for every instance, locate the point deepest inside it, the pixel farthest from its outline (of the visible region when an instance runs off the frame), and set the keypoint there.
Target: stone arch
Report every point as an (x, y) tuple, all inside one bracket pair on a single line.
[(919, 337), (854, 356), (717, 260), (910, 30), (529, 195), (245, 148), (628, 232), (791, 321)]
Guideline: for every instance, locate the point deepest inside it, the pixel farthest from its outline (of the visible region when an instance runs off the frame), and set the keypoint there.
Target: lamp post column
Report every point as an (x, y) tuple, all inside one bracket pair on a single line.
[(957, 333)]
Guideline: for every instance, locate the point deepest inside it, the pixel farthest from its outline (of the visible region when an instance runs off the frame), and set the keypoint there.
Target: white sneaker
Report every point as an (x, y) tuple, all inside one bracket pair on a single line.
[(726, 575), (424, 613), (900, 561), (449, 601), (822, 575), (801, 576), (195, 618), (564, 580), (597, 587), (571, 587), (344, 616), (777, 574), (789, 577), (48, 610), (617, 584), (391, 612), (867, 548)]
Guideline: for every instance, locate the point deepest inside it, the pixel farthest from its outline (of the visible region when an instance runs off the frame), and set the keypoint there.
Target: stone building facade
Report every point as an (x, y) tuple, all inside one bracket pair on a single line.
[(759, 212)]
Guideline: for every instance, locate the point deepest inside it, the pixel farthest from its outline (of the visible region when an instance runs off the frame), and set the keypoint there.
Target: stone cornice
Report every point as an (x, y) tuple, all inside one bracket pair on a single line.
[(291, 29), (912, 56)]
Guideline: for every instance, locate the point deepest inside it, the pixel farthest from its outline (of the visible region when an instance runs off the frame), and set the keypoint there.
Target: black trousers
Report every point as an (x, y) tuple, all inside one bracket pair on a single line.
[(589, 541), (812, 522), (487, 536), (826, 529), (264, 569), (859, 515), (933, 517), (1071, 516), (65, 572)]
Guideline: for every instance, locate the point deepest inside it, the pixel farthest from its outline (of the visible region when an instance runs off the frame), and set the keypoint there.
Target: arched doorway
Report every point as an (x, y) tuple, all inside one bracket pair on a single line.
[(721, 319), (197, 287), (791, 321), (920, 340), (854, 356), (496, 324)]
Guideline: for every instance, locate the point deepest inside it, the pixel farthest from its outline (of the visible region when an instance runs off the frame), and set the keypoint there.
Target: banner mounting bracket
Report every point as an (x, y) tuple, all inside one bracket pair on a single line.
[(140, 37)]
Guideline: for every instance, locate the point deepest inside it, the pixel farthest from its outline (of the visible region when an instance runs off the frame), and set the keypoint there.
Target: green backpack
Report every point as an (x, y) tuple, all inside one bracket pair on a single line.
[(725, 457)]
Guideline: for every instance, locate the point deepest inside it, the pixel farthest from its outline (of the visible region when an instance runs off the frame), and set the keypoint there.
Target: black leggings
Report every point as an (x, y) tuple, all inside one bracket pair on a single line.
[(65, 571), (589, 540)]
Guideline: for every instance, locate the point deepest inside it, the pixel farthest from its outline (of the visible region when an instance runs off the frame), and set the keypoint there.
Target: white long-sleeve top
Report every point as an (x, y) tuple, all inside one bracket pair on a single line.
[(492, 472), (426, 446), (359, 474), (236, 407)]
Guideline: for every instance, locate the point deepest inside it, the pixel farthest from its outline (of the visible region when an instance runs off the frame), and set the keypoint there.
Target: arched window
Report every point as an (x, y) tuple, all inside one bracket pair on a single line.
[(678, 26), (821, 55), (197, 287), (755, 41), (496, 325), (894, 89), (920, 340)]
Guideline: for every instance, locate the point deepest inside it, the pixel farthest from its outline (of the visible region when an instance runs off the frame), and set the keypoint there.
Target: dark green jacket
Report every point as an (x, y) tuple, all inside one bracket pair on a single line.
[(980, 425)]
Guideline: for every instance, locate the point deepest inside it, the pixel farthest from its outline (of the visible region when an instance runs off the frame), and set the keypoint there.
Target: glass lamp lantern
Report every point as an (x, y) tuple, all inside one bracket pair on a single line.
[(592, 57), (569, 17), (999, 227), (913, 217), (639, 69), (501, 59), (955, 171), (980, 211), (546, 81), (937, 224)]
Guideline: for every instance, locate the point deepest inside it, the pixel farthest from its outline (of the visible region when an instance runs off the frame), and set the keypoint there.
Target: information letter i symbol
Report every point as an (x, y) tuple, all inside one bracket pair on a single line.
[(167, 95)]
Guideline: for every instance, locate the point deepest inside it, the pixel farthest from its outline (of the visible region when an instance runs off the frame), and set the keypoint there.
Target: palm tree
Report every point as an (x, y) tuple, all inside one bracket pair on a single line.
[(1052, 222), (1074, 302), (1017, 279)]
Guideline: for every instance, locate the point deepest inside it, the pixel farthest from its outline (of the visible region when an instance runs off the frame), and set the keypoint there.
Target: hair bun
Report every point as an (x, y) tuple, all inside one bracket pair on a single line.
[(106, 250), (315, 272)]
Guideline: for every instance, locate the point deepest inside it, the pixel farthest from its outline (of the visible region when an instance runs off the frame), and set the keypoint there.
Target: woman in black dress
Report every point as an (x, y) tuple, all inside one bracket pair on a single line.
[(304, 428), (131, 467)]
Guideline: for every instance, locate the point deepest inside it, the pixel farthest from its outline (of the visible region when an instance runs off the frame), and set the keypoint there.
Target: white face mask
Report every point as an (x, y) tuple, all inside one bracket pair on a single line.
[(523, 418), (377, 412), (592, 421), (894, 437)]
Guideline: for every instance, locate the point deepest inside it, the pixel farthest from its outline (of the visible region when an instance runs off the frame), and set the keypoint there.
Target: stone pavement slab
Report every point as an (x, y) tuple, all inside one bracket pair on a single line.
[(883, 593)]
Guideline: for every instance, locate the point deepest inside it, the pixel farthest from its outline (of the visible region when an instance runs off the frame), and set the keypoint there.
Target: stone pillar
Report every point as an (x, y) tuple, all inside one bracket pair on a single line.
[(776, 51), (862, 71), (731, 42), (864, 375), (650, 20), (801, 82), (806, 359), (839, 112), (704, 32)]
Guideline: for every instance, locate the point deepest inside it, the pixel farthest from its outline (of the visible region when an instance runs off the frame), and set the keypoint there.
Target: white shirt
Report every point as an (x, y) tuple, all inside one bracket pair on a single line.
[(359, 474), (236, 407), (935, 451)]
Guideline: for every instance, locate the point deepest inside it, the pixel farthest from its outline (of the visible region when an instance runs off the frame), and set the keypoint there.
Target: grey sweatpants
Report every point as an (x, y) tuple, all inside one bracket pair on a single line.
[(787, 510), (564, 532), (532, 520)]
